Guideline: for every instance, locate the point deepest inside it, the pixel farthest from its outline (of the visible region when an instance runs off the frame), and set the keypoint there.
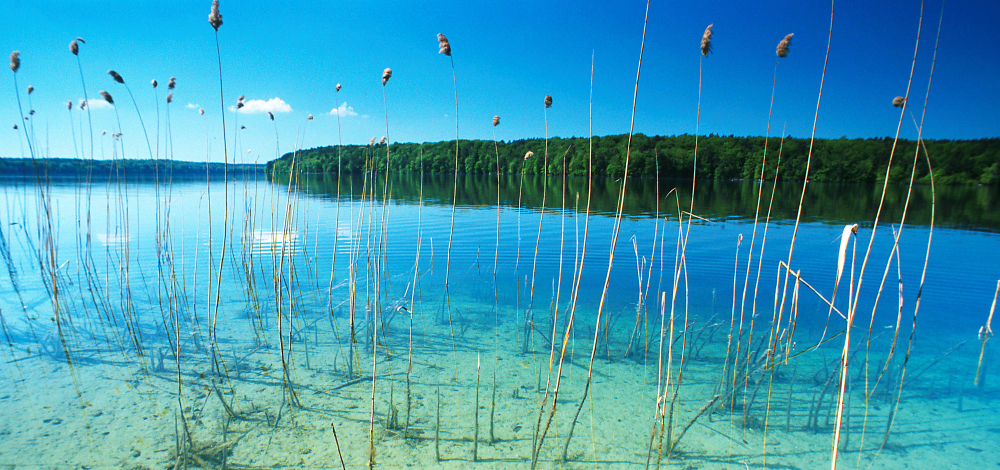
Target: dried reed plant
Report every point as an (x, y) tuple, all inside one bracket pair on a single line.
[(614, 238), (706, 41), (214, 17), (496, 294), (782, 49), (444, 47), (578, 266), (985, 333), (916, 305)]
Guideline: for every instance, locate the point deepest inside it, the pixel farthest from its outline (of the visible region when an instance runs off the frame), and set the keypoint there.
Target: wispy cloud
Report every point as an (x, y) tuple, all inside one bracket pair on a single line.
[(192, 106), (343, 110), (98, 104), (274, 105)]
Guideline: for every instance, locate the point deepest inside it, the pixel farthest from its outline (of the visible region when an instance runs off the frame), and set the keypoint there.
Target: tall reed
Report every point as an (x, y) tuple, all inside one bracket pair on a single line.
[(614, 236), (496, 296), (444, 47)]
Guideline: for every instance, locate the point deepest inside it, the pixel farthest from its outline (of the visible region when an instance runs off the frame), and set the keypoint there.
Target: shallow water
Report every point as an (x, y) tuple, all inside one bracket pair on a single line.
[(144, 320)]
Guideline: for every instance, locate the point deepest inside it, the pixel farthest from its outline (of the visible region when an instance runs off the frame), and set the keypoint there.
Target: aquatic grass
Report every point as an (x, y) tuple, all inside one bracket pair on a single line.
[(930, 235), (386, 75), (529, 316), (985, 333), (215, 19), (782, 51), (444, 47), (496, 296), (614, 236), (336, 224), (416, 286), (118, 78)]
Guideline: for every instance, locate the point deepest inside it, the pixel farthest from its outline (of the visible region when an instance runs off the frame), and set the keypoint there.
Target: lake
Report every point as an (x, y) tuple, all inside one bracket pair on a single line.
[(329, 322)]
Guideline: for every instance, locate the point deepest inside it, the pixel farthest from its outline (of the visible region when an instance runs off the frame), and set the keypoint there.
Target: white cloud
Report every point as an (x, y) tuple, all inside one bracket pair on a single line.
[(343, 110), (276, 105), (98, 104), (192, 106)]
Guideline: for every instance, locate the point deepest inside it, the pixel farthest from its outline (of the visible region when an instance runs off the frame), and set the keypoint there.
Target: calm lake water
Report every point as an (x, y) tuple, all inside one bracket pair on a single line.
[(209, 325)]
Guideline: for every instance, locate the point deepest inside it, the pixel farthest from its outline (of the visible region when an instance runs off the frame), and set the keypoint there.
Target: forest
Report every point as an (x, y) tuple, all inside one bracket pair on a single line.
[(127, 168), (719, 157)]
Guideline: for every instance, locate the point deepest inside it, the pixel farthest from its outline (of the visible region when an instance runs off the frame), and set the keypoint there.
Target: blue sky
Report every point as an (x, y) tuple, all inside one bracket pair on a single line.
[(288, 57)]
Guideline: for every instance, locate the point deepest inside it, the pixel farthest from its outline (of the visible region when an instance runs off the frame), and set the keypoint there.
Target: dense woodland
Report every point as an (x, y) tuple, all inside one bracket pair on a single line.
[(719, 157), (104, 169)]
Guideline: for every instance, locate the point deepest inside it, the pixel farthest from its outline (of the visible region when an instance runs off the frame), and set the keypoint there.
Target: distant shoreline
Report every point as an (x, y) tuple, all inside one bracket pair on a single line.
[(963, 162), (101, 169)]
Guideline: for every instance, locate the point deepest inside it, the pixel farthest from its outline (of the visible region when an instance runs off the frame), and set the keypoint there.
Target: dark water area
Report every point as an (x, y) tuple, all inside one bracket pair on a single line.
[(974, 208)]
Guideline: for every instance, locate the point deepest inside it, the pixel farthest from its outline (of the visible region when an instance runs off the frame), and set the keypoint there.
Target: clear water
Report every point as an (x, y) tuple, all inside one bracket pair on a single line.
[(146, 320)]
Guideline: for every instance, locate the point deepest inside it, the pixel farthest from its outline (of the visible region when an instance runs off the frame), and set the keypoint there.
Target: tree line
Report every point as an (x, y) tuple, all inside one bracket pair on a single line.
[(719, 157), (123, 168)]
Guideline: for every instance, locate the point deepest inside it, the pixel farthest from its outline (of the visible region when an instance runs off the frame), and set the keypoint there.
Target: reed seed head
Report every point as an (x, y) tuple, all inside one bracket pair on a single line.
[(83, 104), (338, 87), (69, 105), (371, 142), (31, 89), (215, 18), (548, 101), (107, 97), (74, 47), (529, 155), (444, 47), (171, 83), (782, 50), (386, 75), (154, 83), (270, 115), (201, 111), (898, 101), (382, 140), (170, 97), (706, 41), (310, 117), (114, 75), (15, 61), (496, 121)]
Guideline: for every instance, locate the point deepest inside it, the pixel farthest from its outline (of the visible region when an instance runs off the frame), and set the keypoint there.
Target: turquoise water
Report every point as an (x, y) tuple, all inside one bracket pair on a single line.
[(145, 321)]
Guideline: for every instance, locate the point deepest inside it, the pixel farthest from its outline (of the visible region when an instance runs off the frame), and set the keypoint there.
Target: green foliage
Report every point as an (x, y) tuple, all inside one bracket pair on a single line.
[(838, 160), (140, 169)]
